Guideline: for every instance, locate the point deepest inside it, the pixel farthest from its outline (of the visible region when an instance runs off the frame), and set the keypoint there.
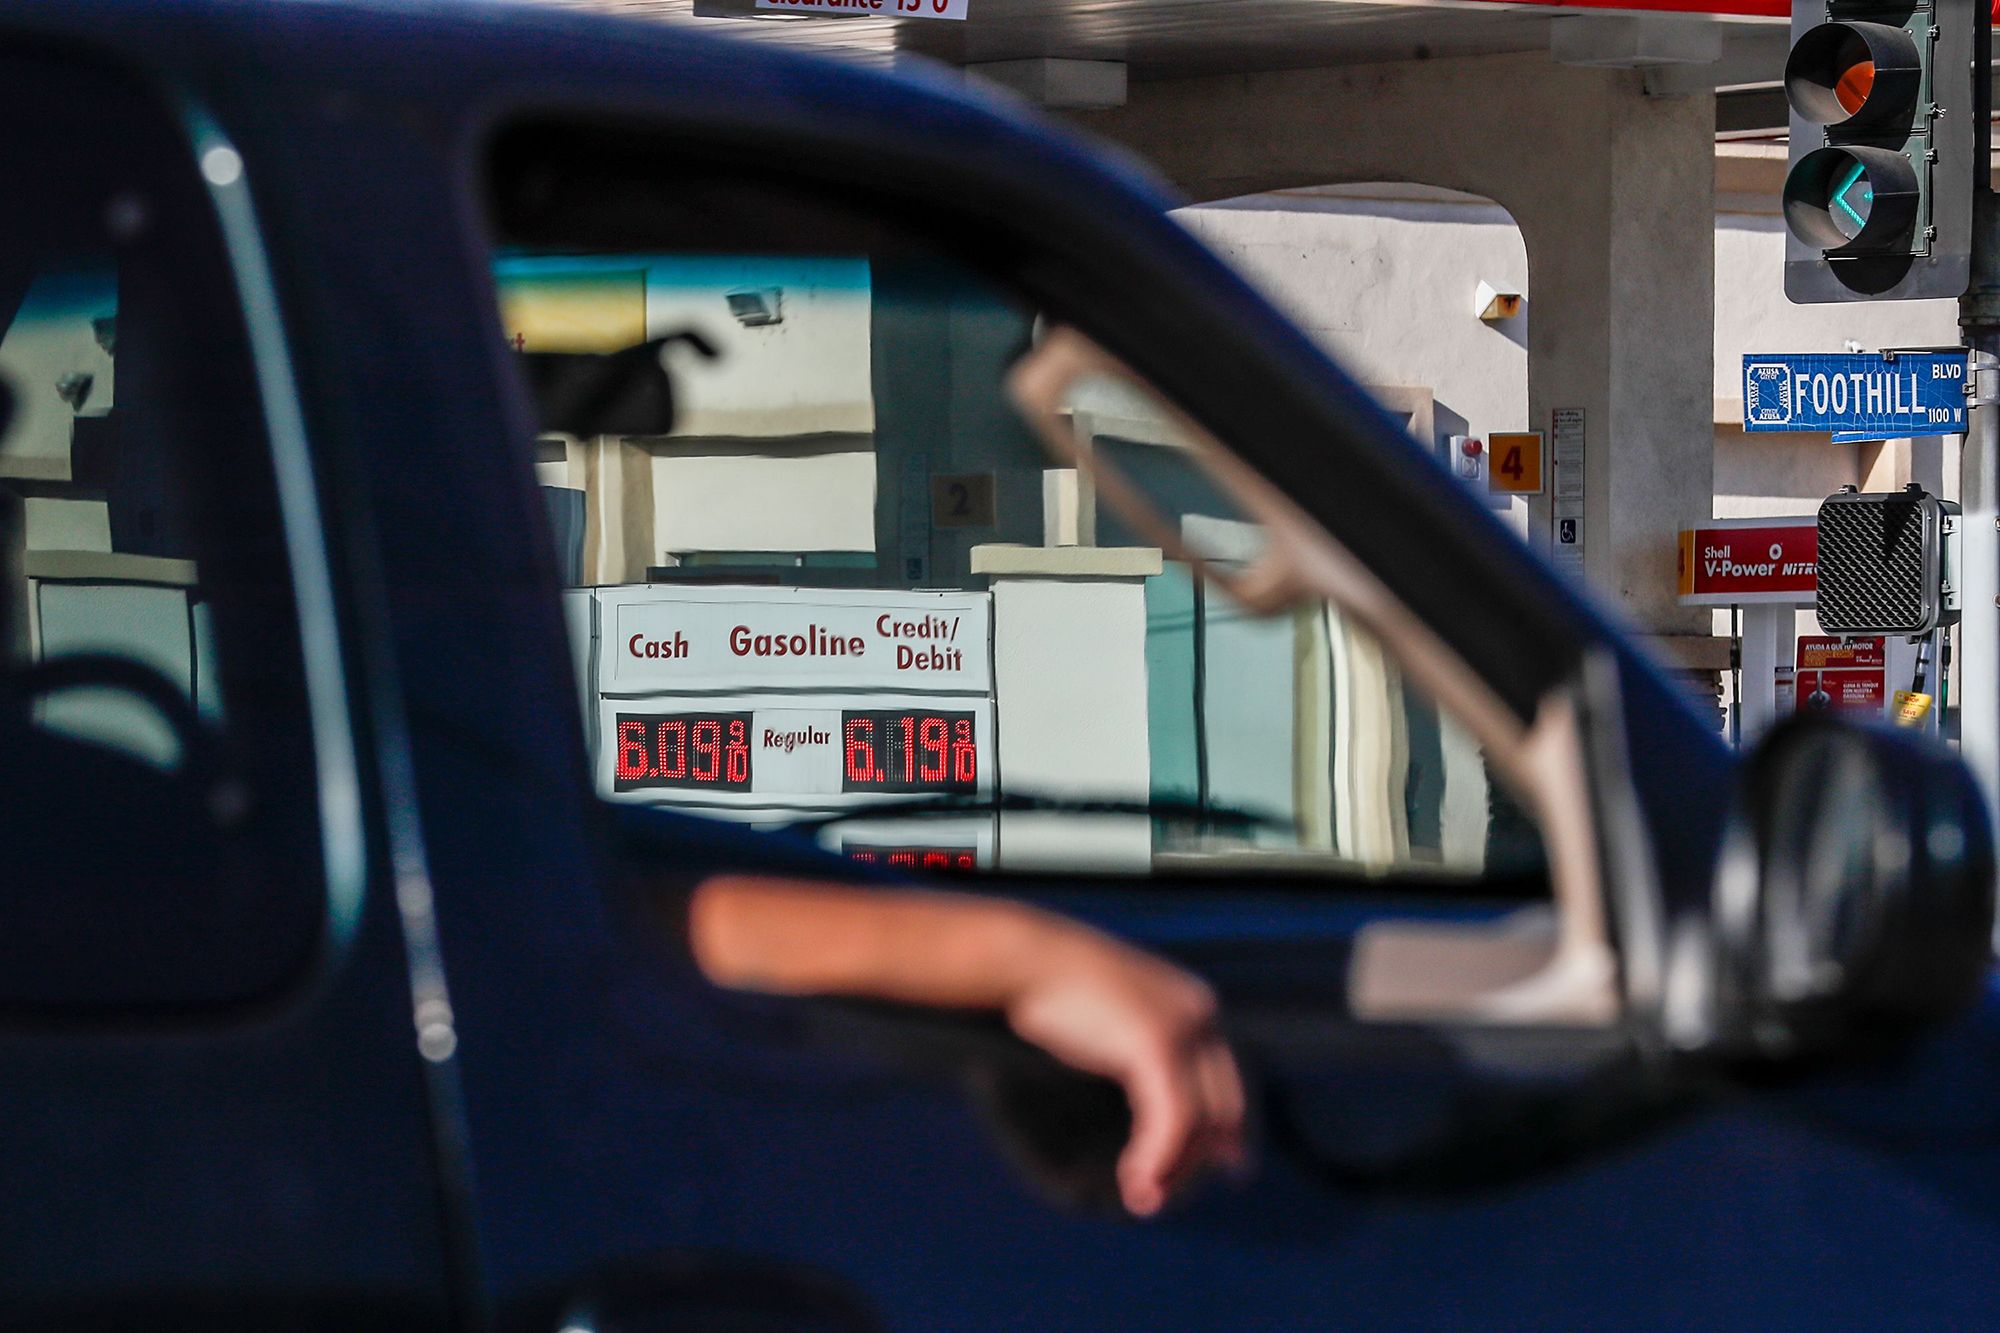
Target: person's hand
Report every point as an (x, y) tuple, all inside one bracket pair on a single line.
[(1105, 1008), (1088, 1000)]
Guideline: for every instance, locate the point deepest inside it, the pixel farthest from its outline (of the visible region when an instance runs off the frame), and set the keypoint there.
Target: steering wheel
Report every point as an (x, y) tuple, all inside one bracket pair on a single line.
[(222, 795)]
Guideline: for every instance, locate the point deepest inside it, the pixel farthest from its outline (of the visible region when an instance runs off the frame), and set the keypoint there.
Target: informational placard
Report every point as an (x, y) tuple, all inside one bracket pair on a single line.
[(881, 9), (1516, 467), (1872, 395), (795, 750), (662, 640), (1745, 562), (1566, 548), (1842, 674)]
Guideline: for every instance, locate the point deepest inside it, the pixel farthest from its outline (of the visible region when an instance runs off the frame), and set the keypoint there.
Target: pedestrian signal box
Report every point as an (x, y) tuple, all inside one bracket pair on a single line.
[(1888, 148), (1887, 563)]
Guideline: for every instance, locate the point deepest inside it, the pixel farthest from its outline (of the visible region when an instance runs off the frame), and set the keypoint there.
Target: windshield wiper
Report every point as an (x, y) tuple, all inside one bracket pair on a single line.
[(958, 803)]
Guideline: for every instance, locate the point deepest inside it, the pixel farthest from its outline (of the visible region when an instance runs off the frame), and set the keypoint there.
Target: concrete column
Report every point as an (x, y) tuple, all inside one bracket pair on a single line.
[(1069, 681), (1614, 193), (616, 476)]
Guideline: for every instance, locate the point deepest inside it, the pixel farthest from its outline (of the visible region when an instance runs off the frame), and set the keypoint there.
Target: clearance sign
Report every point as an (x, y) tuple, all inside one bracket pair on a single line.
[(1743, 562)]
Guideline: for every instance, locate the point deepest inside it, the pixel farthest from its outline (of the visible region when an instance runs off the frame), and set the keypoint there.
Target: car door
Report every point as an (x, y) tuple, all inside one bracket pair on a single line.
[(213, 1111), (1404, 798), (835, 584)]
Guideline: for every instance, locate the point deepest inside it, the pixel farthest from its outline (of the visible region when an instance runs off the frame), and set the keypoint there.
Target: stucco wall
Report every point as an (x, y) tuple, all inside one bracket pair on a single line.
[(1387, 285)]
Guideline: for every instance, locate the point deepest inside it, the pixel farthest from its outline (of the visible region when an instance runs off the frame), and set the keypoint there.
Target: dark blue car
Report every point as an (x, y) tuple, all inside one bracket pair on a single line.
[(470, 473)]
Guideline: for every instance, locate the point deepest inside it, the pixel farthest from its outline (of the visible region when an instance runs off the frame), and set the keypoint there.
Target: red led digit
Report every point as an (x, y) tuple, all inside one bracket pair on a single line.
[(673, 749), (932, 733), (909, 747), (631, 751), (860, 737), (707, 744), (906, 860), (738, 753), (964, 753)]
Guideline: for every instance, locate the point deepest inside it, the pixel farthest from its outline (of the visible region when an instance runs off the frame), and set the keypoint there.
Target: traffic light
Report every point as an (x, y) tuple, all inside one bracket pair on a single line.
[(1888, 563), (1888, 147)]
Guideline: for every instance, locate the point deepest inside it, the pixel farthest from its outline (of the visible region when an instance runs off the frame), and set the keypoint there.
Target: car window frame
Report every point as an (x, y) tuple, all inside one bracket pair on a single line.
[(214, 172)]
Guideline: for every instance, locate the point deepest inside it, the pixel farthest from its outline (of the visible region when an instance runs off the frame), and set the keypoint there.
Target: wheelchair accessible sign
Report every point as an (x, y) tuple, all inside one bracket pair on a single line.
[(1863, 395)]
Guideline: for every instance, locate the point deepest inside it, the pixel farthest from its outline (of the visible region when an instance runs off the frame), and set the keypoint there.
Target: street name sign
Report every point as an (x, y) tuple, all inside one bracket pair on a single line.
[(1879, 395)]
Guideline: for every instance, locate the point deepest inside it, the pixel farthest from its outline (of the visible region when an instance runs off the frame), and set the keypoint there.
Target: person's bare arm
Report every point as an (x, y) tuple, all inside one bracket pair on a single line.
[(1092, 1002)]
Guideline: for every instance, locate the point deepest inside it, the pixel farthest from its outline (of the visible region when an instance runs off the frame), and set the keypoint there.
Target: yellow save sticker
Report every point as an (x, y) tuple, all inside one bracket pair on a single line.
[(1911, 707)]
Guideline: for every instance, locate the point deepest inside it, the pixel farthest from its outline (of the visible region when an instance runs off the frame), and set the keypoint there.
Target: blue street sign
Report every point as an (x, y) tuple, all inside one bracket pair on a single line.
[(1872, 395)]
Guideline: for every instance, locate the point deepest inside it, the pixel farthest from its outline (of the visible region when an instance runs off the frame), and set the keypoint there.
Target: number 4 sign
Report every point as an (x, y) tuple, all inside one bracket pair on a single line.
[(1514, 465)]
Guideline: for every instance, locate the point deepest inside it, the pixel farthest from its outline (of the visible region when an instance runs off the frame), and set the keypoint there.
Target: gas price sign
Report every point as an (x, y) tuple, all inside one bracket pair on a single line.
[(908, 750), (701, 750), (797, 751)]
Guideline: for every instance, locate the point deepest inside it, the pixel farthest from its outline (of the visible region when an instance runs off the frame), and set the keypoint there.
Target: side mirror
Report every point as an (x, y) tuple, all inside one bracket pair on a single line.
[(1853, 902)]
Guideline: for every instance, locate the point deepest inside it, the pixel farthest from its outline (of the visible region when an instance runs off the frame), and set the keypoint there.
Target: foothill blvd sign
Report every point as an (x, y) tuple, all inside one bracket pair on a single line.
[(1873, 395)]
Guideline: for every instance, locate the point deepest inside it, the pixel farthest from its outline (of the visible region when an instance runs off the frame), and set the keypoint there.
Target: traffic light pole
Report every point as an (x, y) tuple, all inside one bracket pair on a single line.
[(1978, 657)]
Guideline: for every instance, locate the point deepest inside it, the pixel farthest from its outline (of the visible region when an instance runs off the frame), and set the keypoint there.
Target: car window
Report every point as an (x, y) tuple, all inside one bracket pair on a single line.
[(159, 845), (835, 577)]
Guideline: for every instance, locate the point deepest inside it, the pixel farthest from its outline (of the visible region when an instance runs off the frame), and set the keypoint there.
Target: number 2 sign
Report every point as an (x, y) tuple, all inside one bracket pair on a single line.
[(1514, 462)]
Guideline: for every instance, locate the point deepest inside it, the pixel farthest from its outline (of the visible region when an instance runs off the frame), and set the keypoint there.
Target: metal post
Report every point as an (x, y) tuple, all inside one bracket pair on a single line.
[(1979, 623), (1979, 461), (1736, 676)]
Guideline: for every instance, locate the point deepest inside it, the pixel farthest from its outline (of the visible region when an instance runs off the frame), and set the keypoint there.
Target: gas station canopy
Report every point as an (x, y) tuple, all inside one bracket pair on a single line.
[(1732, 45)]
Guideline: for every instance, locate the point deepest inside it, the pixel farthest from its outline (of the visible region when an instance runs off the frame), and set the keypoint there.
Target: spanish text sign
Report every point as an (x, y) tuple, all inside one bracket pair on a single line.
[(1842, 675), (1874, 394)]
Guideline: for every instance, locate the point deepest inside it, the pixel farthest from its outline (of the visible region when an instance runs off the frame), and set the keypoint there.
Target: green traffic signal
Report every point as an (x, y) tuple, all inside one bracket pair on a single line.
[(1853, 199)]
